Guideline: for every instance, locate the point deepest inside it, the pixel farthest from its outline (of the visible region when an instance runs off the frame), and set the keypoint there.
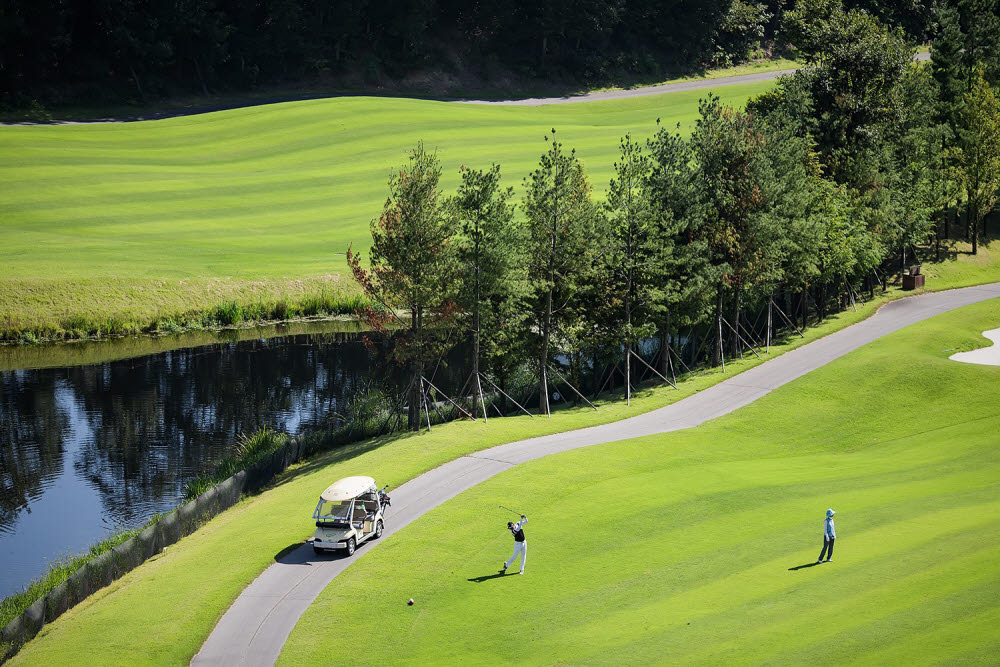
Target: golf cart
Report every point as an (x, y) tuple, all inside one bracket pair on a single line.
[(349, 512)]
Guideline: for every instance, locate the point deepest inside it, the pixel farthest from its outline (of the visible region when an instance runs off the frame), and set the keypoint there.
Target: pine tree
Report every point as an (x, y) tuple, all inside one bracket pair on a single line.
[(981, 27), (728, 154), (947, 65), (685, 277), (631, 256), (490, 251), (562, 226)]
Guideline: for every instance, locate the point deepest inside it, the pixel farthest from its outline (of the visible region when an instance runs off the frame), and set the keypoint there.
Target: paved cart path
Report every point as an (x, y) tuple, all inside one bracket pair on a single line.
[(695, 84), (255, 628)]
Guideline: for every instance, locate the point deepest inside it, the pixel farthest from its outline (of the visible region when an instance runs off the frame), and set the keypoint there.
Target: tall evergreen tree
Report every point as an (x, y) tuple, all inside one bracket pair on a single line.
[(685, 276), (947, 64), (981, 27), (632, 252), (728, 154), (928, 179), (853, 85), (489, 248), (562, 226)]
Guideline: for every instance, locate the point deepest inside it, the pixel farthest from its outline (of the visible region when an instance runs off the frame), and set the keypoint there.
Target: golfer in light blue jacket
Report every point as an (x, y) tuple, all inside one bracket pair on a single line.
[(829, 536)]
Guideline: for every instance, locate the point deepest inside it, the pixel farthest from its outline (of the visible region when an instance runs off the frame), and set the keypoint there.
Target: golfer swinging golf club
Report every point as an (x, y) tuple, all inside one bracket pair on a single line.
[(520, 546), (829, 536)]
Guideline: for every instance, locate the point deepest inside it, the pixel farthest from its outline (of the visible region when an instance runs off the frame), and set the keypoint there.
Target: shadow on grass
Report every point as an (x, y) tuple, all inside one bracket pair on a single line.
[(487, 577), (338, 454), (799, 567)]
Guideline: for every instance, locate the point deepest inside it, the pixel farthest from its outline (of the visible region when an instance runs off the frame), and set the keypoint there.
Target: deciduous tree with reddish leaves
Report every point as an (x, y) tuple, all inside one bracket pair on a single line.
[(412, 275)]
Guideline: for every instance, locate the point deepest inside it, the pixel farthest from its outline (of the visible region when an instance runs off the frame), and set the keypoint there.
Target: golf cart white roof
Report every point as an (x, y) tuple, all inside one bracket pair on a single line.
[(347, 488)]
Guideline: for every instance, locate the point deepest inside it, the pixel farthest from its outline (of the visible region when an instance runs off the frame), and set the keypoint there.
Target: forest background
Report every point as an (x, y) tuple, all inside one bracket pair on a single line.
[(71, 52)]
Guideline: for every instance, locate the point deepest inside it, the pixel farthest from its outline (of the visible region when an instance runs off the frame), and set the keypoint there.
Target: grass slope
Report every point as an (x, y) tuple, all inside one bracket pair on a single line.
[(680, 546), (183, 592), (154, 218)]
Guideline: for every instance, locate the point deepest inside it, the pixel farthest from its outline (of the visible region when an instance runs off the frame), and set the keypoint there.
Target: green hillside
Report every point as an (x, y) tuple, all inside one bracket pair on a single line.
[(142, 219), (687, 546)]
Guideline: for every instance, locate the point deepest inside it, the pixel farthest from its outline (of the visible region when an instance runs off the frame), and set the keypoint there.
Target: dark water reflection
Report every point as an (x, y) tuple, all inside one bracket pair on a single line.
[(88, 450)]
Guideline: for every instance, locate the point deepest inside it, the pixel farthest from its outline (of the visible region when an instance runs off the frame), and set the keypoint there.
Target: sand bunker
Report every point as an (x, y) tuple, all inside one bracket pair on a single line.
[(989, 356)]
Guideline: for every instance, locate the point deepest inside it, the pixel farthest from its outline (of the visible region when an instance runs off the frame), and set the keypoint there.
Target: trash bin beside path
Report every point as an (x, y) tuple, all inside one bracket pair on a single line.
[(913, 279)]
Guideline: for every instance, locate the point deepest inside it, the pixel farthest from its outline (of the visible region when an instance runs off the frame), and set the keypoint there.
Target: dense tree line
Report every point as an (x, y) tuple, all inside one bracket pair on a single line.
[(64, 50), (811, 195)]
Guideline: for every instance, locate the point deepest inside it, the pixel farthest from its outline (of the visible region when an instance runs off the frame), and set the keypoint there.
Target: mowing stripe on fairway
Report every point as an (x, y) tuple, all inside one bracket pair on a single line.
[(686, 546), (272, 192), (183, 592), (257, 625)]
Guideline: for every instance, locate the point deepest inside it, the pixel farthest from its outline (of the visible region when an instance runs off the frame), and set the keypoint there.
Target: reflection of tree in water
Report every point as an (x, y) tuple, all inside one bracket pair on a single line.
[(154, 422), (158, 422), (141, 428), (31, 432)]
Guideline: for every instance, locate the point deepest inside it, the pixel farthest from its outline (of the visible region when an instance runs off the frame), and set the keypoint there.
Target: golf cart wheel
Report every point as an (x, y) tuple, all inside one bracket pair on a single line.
[(378, 530), (351, 544), (317, 550)]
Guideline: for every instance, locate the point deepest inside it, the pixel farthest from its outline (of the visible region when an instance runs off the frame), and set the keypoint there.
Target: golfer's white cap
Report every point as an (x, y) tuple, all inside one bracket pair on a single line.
[(830, 512)]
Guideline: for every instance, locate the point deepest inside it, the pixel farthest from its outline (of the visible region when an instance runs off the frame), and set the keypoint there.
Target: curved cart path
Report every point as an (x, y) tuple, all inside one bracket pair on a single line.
[(696, 84), (255, 628)]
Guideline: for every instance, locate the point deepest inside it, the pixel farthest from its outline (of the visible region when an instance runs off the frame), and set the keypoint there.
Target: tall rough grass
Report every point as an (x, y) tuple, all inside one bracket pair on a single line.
[(250, 448), (228, 314)]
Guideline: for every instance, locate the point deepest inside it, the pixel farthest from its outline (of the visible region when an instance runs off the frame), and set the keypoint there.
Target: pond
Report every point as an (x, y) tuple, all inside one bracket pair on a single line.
[(96, 437)]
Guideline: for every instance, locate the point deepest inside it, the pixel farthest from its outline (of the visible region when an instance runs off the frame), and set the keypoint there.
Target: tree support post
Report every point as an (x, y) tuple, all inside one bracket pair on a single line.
[(566, 382), (606, 380), (740, 338), (460, 408), (751, 339), (722, 352), (423, 397), (482, 401), (628, 374), (523, 409), (792, 324), (850, 293), (670, 362), (643, 361), (670, 348), (770, 308)]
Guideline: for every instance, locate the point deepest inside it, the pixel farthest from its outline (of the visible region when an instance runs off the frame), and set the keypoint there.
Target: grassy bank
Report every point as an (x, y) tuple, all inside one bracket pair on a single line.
[(183, 592), (695, 560), (87, 352), (40, 310), (119, 227)]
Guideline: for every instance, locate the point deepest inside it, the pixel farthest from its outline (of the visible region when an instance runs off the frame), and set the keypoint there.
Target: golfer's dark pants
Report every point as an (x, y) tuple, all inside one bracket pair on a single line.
[(827, 544)]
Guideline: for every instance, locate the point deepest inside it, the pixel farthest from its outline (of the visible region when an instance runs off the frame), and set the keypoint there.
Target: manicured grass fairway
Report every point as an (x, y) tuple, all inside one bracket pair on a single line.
[(678, 547), (183, 592), (109, 218)]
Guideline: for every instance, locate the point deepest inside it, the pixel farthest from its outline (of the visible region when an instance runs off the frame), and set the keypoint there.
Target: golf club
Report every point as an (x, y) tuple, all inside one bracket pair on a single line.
[(510, 510)]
